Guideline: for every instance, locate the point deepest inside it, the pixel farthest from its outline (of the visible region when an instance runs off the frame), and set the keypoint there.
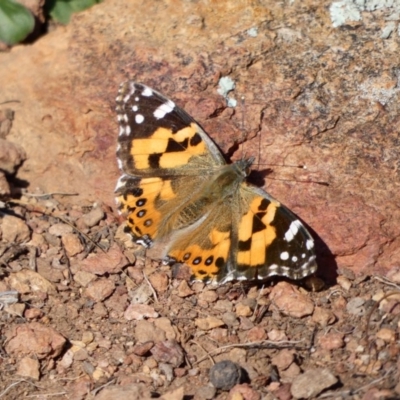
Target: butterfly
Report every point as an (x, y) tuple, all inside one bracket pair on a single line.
[(180, 196)]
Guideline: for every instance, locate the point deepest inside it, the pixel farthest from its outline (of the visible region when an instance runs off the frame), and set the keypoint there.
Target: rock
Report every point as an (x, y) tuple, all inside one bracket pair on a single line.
[(60, 229), (168, 351), (72, 244), (311, 383), (34, 339), (208, 323), (11, 156), (14, 229), (288, 299), (133, 391), (100, 263), (28, 281), (139, 311), (93, 217), (100, 289), (29, 368), (225, 374)]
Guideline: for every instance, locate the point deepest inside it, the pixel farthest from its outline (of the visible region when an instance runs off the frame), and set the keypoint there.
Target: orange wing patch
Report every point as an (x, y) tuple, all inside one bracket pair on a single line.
[(139, 205), (204, 259), (166, 149), (256, 232)]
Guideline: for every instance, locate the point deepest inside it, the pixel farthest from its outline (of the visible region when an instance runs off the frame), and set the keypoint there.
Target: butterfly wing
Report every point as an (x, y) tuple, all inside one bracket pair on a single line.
[(251, 236), (157, 138), (270, 239), (165, 157)]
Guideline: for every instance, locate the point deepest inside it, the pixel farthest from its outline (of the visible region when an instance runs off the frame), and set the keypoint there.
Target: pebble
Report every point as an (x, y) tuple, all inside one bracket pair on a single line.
[(225, 375), (312, 382)]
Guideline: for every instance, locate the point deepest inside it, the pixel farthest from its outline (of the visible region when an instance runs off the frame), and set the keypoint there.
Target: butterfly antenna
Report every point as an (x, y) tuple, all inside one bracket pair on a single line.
[(243, 110)]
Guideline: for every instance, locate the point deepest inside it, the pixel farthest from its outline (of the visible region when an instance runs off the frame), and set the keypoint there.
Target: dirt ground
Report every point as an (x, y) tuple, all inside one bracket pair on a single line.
[(85, 315)]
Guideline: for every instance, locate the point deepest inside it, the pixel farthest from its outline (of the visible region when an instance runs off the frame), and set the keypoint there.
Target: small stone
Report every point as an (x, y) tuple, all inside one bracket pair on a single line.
[(230, 319), (343, 282), (356, 306), (243, 310), (311, 383), (245, 392), (160, 281), (331, 341), (100, 289), (256, 334), (323, 317), (34, 339), (143, 348), (93, 217), (168, 351), (205, 393), (139, 311), (14, 229), (208, 323), (16, 309), (72, 244), (209, 296), (387, 335), (87, 337), (99, 263), (184, 289), (84, 278), (146, 331), (29, 368), (290, 301), (11, 156), (28, 281), (225, 375), (283, 359), (165, 324), (33, 313), (60, 229)]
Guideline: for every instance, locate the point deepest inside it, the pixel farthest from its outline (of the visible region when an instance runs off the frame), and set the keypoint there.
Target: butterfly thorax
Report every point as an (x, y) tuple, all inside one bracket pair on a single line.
[(218, 188)]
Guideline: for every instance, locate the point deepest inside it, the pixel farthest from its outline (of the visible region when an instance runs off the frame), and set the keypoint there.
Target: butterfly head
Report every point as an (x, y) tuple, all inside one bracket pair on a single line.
[(244, 165)]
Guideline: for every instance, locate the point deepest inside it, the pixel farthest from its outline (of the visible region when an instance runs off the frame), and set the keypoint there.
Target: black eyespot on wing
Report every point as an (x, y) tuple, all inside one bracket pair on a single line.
[(244, 245), (264, 204), (258, 225), (195, 140), (154, 160), (174, 146)]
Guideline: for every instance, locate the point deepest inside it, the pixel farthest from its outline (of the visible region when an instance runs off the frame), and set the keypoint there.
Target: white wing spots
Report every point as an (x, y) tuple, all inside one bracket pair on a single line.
[(139, 118), (120, 182), (132, 88), (125, 118), (136, 98), (147, 92), (310, 244), (135, 108), (121, 130), (164, 109), (126, 98), (303, 255), (284, 255), (294, 258), (119, 162), (292, 231)]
